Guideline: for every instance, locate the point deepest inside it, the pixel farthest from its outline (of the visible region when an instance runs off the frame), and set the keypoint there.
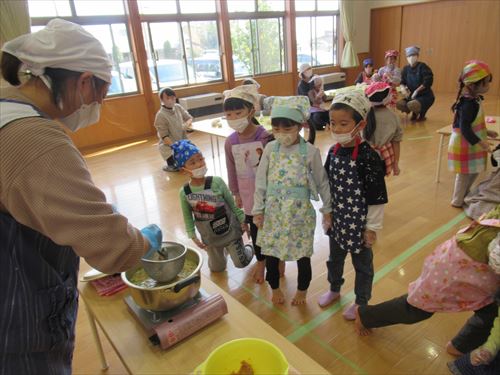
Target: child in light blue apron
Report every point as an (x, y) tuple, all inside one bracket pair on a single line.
[(289, 175)]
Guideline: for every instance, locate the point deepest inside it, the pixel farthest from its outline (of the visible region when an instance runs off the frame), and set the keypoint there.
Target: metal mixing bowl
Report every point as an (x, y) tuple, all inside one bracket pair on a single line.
[(165, 270), (169, 296)]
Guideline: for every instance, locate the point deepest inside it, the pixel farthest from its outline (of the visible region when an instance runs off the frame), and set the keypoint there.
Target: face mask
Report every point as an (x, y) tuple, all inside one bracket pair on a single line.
[(239, 125), (199, 172), (412, 59), (169, 103), (344, 138), (285, 139), (84, 116), (308, 74)]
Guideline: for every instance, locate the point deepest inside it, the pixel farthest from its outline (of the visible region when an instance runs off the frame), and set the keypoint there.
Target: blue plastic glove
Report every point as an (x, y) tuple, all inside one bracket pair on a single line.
[(154, 236)]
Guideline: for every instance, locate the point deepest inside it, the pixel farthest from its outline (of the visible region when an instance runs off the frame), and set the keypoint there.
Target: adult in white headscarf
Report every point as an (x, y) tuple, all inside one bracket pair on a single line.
[(51, 213)]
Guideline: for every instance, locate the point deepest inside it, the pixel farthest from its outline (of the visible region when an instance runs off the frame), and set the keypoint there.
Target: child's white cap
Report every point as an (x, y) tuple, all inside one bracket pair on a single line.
[(248, 93), (354, 99)]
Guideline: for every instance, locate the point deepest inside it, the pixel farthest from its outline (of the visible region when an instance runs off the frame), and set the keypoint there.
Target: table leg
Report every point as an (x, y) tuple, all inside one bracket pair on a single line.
[(97, 340), (440, 153), (212, 146), (218, 155)]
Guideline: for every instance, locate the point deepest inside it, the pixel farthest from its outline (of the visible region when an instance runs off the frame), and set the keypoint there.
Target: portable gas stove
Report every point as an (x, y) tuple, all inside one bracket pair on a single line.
[(166, 328)]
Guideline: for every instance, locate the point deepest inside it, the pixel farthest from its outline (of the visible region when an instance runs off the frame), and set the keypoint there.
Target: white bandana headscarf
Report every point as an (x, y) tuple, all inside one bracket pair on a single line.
[(61, 44), (248, 93), (354, 99)]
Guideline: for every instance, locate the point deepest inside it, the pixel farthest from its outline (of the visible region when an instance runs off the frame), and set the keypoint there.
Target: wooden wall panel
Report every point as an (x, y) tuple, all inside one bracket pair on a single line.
[(385, 32), (452, 32)]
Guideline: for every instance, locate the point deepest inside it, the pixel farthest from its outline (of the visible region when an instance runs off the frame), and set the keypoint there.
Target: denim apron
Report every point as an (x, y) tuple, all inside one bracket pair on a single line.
[(214, 219), (38, 294)]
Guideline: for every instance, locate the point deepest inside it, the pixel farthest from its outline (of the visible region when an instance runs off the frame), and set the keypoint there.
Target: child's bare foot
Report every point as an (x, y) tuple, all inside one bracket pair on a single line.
[(258, 271), (299, 298), (358, 325), (450, 348), (328, 298), (278, 297), (282, 267)]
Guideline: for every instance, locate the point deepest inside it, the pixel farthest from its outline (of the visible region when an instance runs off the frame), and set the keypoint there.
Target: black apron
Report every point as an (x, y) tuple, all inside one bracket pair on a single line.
[(38, 294)]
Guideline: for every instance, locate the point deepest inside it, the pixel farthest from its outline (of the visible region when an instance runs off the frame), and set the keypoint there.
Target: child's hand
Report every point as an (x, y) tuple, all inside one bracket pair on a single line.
[(480, 356), (369, 237), (492, 133), (396, 170), (246, 229), (485, 146), (198, 243), (327, 222), (238, 201), (258, 220)]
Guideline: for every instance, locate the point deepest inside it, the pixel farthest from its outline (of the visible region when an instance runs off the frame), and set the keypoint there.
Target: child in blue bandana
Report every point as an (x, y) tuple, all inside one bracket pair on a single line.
[(208, 205)]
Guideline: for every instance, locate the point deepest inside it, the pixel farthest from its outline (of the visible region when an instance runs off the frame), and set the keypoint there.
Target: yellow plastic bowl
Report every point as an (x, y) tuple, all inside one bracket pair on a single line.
[(264, 357)]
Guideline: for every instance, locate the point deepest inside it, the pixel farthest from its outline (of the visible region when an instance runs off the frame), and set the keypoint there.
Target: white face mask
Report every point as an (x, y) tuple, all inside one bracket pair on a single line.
[(285, 139), (344, 138), (239, 125), (86, 115), (412, 59), (308, 74), (199, 172)]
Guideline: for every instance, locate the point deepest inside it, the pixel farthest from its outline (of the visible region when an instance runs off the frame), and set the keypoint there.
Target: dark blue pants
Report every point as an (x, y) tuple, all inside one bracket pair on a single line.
[(363, 265)]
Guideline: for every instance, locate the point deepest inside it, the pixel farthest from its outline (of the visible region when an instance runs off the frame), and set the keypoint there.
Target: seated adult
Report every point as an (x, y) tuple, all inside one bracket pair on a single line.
[(485, 196), (316, 94), (366, 75), (390, 74), (416, 80), (305, 74)]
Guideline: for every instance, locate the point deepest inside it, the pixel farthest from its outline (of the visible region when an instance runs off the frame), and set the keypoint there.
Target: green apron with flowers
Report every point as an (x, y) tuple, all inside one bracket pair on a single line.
[(289, 216)]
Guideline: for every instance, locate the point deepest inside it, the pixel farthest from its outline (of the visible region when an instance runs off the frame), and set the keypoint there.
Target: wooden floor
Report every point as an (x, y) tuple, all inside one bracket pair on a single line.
[(417, 218)]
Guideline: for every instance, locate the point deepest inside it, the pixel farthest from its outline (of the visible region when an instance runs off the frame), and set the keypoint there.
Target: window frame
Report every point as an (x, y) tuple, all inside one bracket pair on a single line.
[(315, 14), (100, 21), (253, 17), (180, 18)]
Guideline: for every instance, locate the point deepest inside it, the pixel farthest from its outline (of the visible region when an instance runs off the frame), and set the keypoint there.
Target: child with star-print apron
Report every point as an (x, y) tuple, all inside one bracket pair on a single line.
[(289, 175), (356, 175)]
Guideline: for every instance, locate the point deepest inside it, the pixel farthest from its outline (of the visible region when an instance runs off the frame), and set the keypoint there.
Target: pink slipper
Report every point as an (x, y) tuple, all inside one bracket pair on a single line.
[(328, 298), (350, 312)]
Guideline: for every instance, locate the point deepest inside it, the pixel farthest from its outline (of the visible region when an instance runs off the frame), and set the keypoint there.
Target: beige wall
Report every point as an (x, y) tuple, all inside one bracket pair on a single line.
[(362, 20)]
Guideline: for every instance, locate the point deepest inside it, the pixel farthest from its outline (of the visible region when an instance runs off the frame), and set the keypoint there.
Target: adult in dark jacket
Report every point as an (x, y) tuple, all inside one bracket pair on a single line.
[(305, 75), (417, 78)]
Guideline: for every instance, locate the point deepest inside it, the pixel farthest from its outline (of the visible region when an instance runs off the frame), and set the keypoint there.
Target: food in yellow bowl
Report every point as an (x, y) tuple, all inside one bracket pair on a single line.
[(259, 356)]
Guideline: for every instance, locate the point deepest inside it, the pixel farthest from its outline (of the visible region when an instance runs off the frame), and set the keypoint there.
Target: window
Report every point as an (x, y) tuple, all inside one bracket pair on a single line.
[(317, 32), (114, 35), (257, 36), (182, 42)]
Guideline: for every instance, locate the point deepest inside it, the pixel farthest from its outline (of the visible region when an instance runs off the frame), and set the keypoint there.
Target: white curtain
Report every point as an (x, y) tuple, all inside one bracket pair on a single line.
[(349, 55), (14, 19)]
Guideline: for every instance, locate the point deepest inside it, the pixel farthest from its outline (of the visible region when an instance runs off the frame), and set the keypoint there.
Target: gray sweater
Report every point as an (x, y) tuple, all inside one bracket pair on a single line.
[(170, 122)]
